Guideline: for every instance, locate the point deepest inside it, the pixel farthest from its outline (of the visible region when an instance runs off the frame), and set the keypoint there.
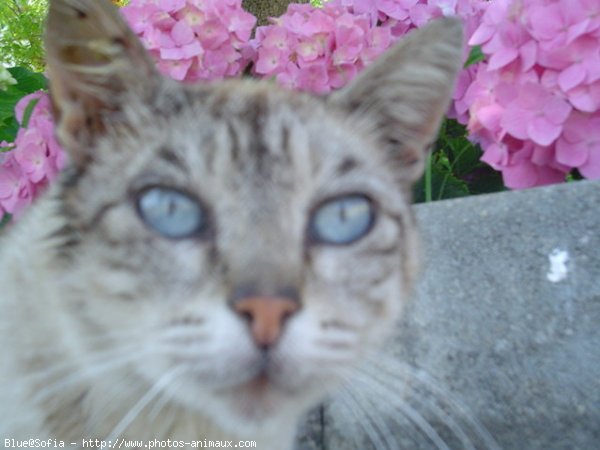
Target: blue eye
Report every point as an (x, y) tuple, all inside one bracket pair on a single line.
[(342, 220), (170, 212)]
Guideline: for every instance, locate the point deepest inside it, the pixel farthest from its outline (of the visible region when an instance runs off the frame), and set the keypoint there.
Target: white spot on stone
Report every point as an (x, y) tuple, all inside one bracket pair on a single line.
[(558, 265)]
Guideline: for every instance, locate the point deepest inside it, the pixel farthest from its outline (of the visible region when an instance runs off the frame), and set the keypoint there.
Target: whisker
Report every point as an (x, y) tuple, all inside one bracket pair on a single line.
[(447, 420), (62, 383), (477, 426), (48, 372), (394, 367), (118, 334), (383, 392), (151, 394), (183, 334), (370, 427), (89, 372), (382, 424), (433, 407), (165, 396)]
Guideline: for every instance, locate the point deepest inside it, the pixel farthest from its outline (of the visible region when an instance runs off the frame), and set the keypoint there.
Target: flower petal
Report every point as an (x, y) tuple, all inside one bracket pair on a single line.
[(571, 77), (543, 132)]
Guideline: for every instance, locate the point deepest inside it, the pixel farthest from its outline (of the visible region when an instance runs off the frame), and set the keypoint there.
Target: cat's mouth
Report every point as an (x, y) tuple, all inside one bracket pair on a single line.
[(256, 398), (259, 384), (262, 381)]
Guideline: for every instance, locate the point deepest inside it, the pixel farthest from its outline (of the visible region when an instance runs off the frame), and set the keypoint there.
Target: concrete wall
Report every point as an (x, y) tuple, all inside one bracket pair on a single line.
[(503, 334)]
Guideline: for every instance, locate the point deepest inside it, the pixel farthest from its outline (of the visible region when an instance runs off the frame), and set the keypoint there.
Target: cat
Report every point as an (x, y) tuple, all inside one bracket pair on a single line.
[(217, 257)]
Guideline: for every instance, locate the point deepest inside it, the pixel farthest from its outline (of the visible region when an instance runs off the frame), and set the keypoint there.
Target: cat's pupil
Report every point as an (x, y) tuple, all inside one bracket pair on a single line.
[(172, 207), (342, 207)]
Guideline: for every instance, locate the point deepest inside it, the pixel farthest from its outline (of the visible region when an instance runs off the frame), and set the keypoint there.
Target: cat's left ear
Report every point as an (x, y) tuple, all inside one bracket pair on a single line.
[(402, 97), (94, 63)]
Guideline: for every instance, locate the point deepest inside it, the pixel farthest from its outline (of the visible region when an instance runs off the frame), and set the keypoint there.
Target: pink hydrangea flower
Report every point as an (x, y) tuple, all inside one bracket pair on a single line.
[(535, 114), (579, 144), (317, 49), (534, 106), (523, 163), (392, 19), (32, 155), (34, 159), (459, 108), (16, 192), (193, 40), (320, 49)]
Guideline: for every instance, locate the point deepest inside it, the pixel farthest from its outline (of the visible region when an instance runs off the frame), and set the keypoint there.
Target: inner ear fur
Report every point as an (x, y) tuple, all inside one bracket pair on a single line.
[(94, 62)]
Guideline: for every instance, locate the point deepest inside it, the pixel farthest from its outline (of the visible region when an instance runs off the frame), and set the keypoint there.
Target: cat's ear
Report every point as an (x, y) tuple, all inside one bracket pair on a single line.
[(94, 62), (403, 96)]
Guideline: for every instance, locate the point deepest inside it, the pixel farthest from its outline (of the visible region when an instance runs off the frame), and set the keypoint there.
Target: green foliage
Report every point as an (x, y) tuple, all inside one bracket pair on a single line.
[(475, 55), (454, 168), (4, 220), (21, 29), (27, 82)]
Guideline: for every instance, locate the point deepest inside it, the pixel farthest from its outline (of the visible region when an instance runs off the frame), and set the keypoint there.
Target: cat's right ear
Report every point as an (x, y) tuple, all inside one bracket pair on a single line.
[(403, 96), (94, 62)]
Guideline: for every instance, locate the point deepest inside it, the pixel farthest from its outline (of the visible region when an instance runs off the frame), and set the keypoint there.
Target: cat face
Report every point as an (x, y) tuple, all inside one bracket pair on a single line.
[(247, 243)]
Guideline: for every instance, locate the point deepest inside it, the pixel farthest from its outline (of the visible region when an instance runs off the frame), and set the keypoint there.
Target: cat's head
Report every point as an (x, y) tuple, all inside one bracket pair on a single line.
[(249, 242)]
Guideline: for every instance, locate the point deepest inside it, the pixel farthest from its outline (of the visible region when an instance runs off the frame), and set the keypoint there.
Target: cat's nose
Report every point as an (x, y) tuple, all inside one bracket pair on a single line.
[(266, 317)]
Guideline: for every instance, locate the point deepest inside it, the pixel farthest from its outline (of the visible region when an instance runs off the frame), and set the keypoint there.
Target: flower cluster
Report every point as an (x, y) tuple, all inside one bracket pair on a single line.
[(404, 15), (320, 49), (35, 158), (193, 40), (317, 49), (534, 106)]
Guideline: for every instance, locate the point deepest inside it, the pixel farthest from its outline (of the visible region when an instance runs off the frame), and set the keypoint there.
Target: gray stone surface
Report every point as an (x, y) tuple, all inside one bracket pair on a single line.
[(492, 340)]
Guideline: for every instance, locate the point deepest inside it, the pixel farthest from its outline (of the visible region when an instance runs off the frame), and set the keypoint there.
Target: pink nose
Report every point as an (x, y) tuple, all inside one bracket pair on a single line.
[(266, 316)]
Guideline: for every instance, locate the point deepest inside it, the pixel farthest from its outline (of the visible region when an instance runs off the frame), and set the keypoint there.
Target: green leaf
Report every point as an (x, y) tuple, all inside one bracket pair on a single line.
[(485, 180), (28, 111), (443, 185), (4, 220), (465, 156), (455, 169), (8, 131), (28, 81), (573, 176), (475, 55), (8, 100), (462, 155)]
